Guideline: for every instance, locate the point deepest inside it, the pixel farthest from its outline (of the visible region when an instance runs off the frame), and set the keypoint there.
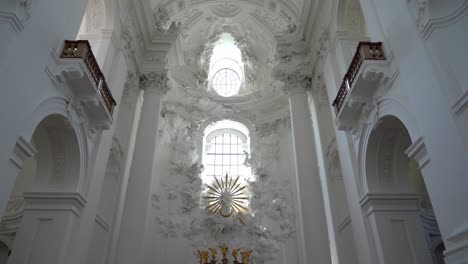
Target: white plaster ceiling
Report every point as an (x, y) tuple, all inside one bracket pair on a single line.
[(256, 25)]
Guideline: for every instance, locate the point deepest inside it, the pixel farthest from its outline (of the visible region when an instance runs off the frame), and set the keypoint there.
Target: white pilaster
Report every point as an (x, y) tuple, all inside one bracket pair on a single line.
[(314, 235), (138, 201), (49, 222)]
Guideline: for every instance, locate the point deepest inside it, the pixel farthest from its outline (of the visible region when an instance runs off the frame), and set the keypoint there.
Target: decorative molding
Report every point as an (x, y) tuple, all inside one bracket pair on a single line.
[(459, 234), (389, 202), (23, 150), (102, 222), (226, 10), (155, 82), (457, 251), (461, 104), (345, 223), (16, 13), (418, 152), (12, 19), (427, 19), (56, 201)]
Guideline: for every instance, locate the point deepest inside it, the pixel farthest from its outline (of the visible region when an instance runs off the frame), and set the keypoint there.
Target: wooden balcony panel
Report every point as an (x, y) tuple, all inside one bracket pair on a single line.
[(77, 73), (81, 49), (367, 71)]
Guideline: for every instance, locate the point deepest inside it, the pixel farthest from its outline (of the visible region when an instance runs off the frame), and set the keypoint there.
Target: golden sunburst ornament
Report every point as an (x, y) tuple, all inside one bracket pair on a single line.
[(226, 197)]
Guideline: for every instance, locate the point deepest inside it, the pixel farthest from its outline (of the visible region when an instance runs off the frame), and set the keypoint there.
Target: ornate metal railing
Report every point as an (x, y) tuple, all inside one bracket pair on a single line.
[(364, 51), (80, 49)]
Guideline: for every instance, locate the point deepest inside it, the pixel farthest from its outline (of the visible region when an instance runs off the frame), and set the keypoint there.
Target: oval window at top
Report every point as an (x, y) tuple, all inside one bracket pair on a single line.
[(226, 82)]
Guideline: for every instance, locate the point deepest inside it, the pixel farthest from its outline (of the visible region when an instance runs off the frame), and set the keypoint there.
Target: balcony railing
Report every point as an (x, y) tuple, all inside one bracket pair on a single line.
[(80, 49), (364, 51)]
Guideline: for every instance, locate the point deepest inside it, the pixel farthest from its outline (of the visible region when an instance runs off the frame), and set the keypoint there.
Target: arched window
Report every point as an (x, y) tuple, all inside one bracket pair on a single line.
[(226, 67), (225, 146), (226, 82)]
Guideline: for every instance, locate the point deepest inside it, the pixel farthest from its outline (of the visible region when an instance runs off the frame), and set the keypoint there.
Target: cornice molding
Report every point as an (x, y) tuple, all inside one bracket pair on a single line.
[(418, 152), (428, 19), (15, 13), (23, 150)]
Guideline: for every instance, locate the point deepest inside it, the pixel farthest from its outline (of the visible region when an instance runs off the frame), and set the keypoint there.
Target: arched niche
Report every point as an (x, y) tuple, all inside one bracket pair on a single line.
[(348, 28), (55, 168), (349, 17), (387, 165), (97, 27), (56, 165), (57, 162), (395, 180)]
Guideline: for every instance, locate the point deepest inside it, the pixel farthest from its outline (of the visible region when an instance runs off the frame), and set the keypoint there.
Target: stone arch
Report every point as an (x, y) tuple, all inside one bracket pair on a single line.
[(58, 155), (392, 178), (58, 109), (98, 25), (239, 119), (51, 169), (386, 107), (348, 17), (387, 165), (348, 28)]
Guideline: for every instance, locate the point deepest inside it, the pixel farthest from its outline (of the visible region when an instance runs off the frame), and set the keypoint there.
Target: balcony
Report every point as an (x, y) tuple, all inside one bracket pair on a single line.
[(368, 72), (81, 80)]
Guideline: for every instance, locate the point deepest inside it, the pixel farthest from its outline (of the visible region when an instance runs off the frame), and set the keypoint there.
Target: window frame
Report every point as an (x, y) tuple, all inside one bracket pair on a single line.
[(209, 142)]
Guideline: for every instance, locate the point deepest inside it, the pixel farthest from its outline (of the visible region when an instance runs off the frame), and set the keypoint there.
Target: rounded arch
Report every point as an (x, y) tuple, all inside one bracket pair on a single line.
[(57, 161), (387, 167), (226, 148), (213, 119), (387, 107), (347, 16), (98, 25), (218, 132), (55, 110), (99, 16)]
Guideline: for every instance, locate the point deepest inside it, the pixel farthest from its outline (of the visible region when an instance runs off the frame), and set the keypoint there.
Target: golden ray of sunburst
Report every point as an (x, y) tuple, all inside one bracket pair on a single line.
[(226, 187)]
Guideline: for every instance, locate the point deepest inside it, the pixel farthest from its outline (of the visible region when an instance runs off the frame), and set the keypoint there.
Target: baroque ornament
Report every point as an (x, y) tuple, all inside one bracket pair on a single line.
[(226, 197), (156, 82)]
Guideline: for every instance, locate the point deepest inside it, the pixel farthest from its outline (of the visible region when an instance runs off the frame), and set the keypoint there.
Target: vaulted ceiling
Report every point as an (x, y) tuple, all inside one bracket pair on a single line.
[(192, 27)]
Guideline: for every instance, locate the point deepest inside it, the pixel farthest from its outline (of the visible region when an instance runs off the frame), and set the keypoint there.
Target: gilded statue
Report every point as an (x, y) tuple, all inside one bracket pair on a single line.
[(224, 250), (246, 256), (214, 254), (234, 254), (203, 255)]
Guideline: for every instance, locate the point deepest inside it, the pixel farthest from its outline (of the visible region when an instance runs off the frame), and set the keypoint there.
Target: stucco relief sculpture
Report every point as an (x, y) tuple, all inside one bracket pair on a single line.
[(163, 22), (260, 225)]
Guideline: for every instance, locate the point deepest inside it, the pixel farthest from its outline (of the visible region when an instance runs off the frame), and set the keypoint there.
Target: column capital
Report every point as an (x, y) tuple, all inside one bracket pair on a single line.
[(155, 82), (296, 83)]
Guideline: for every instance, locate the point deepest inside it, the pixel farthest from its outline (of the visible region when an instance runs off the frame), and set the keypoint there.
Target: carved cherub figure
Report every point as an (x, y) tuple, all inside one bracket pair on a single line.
[(246, 256), (224, 250), (214, 254), (234, 253), (203, 255)]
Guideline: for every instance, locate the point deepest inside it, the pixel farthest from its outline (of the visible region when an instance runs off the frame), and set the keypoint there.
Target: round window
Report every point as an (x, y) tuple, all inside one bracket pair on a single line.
[(226, 82)]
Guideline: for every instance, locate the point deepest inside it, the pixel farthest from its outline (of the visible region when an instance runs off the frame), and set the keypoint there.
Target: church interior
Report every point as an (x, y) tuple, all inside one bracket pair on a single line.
[(233, 132)]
